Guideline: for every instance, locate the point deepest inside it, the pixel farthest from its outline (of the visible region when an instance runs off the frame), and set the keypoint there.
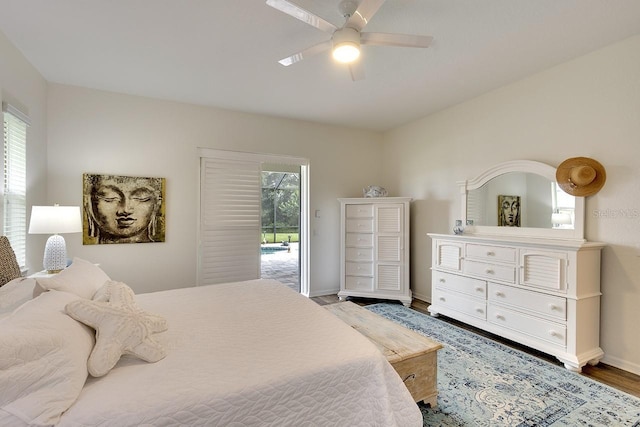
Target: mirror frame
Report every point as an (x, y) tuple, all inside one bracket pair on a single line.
[(529, 166)]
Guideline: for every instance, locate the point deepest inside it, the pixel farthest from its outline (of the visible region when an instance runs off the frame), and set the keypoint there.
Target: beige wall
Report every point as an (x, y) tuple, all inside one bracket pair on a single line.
[(586, 107), (101, 132), (23, 87)]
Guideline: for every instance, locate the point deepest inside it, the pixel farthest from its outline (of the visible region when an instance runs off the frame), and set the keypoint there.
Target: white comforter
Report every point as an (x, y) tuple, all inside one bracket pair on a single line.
[(248, 354)]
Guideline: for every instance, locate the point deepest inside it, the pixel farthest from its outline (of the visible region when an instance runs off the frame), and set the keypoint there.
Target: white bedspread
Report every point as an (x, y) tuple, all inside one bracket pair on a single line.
[(248, 354)]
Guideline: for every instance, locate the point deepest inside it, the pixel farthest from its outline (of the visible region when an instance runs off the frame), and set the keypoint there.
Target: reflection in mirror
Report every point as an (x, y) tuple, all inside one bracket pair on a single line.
[(542, 203), (545, 210), (564, 209)]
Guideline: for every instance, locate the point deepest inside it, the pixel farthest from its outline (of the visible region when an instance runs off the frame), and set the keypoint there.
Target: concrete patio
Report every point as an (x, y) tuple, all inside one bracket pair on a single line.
[(282, 265)]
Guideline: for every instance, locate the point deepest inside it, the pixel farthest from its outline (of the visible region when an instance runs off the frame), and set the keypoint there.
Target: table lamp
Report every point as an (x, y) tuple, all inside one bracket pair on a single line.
[(559, 219), (55, 220)]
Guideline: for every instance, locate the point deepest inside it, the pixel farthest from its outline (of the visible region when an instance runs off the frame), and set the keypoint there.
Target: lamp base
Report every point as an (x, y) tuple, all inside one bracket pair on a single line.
[(55, 254)]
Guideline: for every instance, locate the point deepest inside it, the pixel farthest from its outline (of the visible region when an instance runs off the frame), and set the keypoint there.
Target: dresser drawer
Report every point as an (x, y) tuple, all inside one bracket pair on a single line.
[(535, 327), (359, 268), (504, 273), (355, 225), (359, 211), (359, 240), (358, 254), (466, 285), (448, 255), (534, 302), (358, 283), (491, 253), (461, 303), (544, 269)]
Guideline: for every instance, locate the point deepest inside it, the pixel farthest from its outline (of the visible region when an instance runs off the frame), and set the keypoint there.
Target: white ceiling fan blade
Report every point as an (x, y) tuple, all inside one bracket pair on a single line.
[(363, 14), (306, 53), (401, 40), (356, 69), (302, 14)]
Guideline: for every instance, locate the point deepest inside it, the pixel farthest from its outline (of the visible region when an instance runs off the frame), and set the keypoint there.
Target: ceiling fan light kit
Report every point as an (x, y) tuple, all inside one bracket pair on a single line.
[(345, 41), (346, 45)]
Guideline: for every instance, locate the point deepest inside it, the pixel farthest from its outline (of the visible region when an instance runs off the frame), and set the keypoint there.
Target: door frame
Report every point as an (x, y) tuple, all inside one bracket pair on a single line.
[(261, 158)]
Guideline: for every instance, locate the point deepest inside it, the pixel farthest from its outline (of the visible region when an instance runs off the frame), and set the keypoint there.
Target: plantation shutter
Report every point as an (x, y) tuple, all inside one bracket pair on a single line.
[(230, 198), (14, 180), (476, 209)]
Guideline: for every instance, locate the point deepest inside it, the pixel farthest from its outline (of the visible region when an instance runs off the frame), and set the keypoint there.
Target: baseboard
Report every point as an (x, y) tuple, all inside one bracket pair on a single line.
[(421, 297), (625, 365)]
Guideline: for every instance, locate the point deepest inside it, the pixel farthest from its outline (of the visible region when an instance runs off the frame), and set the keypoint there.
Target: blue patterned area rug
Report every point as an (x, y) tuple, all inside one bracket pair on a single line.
[(485, 383)]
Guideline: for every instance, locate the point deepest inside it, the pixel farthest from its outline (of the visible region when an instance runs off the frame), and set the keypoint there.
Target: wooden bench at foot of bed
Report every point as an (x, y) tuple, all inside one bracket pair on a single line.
[(413, 356)]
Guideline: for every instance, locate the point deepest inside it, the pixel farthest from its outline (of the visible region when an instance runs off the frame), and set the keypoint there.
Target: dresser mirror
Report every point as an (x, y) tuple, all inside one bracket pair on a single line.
[(520, 198)]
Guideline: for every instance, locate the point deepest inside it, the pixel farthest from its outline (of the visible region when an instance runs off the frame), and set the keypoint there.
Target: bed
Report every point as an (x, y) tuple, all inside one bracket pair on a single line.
[(238, 354)]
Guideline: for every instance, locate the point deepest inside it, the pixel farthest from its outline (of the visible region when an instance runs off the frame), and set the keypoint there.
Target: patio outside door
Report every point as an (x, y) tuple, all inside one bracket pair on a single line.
[(280, 254)]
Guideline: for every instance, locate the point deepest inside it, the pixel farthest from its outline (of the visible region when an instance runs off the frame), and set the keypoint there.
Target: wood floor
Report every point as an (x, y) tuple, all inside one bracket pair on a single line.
[(614, 377)]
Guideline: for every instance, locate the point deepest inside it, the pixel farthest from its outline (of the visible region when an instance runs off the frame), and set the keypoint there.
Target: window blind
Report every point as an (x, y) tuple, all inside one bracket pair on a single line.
[(14, 180), (229, 220)]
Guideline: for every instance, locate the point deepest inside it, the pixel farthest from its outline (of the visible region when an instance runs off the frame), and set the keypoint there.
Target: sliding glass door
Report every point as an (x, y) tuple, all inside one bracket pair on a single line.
[(233, 218)]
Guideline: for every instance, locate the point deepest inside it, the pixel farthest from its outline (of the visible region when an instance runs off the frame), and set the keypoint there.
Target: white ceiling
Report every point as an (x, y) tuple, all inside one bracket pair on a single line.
[(224, 53)]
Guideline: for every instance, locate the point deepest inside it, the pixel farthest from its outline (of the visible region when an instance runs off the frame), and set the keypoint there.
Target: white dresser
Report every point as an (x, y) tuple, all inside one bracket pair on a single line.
[(543, 293), (374, 248)]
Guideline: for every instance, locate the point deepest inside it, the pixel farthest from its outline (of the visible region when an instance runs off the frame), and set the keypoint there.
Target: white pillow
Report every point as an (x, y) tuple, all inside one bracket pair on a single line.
[(121, 327), (82, 278), (43, 360), (15, 293)]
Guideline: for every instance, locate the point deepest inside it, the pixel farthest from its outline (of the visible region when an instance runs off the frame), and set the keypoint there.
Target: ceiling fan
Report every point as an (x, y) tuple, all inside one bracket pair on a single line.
[(345, 41)]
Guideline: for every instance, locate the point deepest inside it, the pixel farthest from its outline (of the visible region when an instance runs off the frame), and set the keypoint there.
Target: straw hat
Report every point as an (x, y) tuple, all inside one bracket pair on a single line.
[(581, 176)]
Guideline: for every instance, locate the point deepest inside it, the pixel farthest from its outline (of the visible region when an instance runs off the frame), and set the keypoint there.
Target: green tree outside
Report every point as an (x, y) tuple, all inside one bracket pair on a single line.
[(280, 207)]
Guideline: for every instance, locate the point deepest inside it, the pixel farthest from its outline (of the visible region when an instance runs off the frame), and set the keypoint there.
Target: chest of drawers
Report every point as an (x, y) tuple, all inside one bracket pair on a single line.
[(374, 248), (542, 293)]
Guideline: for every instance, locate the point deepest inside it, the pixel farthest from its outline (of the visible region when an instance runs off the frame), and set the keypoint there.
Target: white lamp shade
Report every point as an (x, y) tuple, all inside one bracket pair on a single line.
[(560, 218), (55, 220)]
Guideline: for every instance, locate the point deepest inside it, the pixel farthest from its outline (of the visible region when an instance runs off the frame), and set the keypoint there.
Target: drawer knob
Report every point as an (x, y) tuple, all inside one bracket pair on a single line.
[(479, 310), (555, 334), (553, 307), (488, 271), (490, 253), (479, 289), (499, 316), (442, 299), (442, 280), (499, 294)]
